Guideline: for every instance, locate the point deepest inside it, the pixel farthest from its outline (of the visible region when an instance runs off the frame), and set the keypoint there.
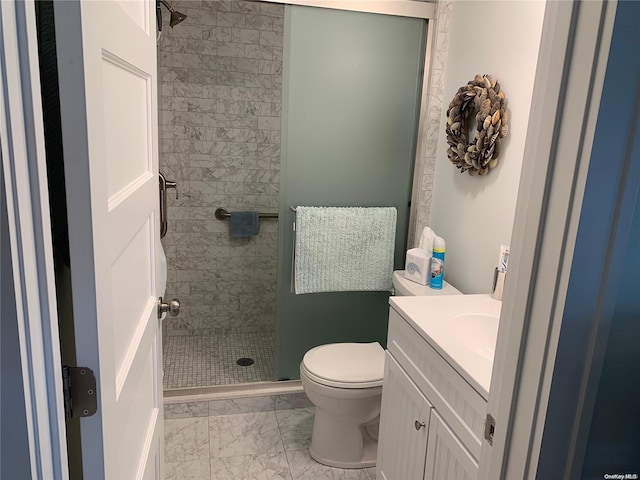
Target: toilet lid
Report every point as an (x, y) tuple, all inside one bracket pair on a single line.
[(356, 364)]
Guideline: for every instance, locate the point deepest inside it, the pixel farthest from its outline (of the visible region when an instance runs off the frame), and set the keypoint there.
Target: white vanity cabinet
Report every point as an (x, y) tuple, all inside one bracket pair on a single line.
[(447, 457), (432, 419), (402, 450)]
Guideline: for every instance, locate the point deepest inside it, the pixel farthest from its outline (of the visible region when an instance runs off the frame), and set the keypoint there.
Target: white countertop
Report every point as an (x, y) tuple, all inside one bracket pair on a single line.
[(462, 328)]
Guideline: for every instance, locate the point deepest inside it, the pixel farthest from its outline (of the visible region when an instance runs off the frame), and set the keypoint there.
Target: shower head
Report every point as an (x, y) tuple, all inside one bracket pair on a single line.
[(176, 16)]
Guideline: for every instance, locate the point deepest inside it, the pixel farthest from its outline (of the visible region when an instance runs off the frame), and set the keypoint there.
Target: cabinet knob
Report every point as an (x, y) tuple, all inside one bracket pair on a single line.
[(419, 425)]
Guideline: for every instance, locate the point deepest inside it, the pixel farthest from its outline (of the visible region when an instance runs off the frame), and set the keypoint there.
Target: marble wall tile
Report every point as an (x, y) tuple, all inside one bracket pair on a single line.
[(183, 4), (187, 60), (185, 31), (229, 19), (271, 9), (245, 7), (263, 52), (259, 22), (272, 466), (273, 39), (245, 35), (181, 89), (198, 16), (231, 49), (244, 434), (435, 114)]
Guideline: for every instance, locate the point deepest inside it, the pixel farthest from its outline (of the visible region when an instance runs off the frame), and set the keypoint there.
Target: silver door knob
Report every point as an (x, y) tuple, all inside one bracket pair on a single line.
[(419, 425), (173, 307)]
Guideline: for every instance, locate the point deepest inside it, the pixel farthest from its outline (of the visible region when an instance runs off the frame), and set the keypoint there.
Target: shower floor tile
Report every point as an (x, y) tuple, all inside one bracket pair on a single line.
[(202, 361)]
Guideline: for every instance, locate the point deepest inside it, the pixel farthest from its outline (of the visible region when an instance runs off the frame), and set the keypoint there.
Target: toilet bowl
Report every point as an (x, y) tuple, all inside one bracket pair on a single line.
[(344, 382)]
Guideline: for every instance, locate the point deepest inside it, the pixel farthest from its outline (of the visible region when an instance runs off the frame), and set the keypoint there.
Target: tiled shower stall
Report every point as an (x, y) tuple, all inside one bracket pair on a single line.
[(220, 104)]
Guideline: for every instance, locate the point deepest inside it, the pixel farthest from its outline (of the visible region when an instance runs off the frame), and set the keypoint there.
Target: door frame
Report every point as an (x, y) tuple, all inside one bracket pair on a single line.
[(26, 190), (545, 229), (568, 86)]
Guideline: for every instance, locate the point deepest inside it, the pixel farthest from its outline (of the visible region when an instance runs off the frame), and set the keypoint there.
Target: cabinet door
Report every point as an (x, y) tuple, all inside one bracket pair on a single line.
[(447, 458), (402, 447)]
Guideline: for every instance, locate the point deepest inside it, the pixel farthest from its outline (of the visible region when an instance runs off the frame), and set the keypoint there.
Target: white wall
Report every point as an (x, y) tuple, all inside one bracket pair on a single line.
[(475, 214)]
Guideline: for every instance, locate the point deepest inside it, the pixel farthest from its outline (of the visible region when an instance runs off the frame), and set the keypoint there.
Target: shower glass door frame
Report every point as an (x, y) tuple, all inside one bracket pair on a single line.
[(401, 8), (411, 9)]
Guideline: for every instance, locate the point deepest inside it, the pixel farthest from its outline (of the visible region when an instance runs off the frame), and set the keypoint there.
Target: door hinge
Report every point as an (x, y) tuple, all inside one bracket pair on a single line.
[(79, 386), (489, 428)]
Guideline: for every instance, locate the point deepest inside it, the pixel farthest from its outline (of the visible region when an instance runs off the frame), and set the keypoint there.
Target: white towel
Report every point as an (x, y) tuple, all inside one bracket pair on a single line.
[(339, 249)]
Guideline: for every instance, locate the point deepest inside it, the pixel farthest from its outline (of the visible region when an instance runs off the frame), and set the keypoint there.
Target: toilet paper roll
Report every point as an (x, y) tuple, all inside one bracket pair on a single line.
[(418, 266)]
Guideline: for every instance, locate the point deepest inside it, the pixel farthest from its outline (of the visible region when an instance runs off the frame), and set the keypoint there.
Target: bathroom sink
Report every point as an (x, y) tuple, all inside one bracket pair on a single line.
[(476, 331), (462, 328)]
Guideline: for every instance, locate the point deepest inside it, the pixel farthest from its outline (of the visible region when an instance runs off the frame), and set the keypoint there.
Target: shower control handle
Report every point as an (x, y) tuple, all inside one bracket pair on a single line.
[(173, 185), (164, 186), (173, 307)]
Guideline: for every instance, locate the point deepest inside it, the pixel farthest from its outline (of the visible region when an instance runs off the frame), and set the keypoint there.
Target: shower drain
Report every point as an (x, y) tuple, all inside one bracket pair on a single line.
[(244, 362)]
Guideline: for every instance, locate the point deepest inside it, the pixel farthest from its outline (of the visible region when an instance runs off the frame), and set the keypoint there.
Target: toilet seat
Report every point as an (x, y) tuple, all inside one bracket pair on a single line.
[(345, 365)]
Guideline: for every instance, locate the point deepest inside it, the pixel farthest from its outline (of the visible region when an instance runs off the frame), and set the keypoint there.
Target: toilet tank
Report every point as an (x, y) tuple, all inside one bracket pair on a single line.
[(404, 287)]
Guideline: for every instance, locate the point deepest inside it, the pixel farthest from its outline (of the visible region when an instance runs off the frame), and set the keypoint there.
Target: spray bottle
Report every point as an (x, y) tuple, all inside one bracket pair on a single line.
[(437, 263)]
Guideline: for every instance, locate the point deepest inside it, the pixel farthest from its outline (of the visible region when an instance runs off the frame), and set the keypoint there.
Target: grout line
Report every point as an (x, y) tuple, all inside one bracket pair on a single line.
[(209, 438), (193, 361)]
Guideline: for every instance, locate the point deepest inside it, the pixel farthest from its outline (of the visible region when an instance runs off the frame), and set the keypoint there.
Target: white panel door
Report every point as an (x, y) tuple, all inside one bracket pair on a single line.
[(447, 458), (107, 67), (402, 444)]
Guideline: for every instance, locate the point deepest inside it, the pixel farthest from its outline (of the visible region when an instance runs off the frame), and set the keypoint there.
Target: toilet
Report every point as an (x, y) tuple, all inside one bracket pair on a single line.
[(344, 382)]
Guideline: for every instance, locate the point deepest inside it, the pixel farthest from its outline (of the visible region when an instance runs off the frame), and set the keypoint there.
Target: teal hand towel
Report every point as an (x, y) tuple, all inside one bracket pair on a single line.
[(340, 249), (245, 224)]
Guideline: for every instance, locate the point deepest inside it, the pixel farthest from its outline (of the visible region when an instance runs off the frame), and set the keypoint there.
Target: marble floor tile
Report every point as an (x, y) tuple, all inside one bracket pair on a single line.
[(244, 434), (269, 466), (292, 400), (186, 410), (241, 405), (296, 427), (372, 472), (303, 467), (190, 470), (186, 439)]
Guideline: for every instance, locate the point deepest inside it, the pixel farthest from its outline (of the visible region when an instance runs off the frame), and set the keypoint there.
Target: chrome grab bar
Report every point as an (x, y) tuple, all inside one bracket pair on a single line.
[(164, 185), (223, 214)]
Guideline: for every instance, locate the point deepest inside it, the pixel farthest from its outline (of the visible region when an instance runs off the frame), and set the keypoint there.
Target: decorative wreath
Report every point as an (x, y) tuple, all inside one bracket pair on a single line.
[(482, 95)]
